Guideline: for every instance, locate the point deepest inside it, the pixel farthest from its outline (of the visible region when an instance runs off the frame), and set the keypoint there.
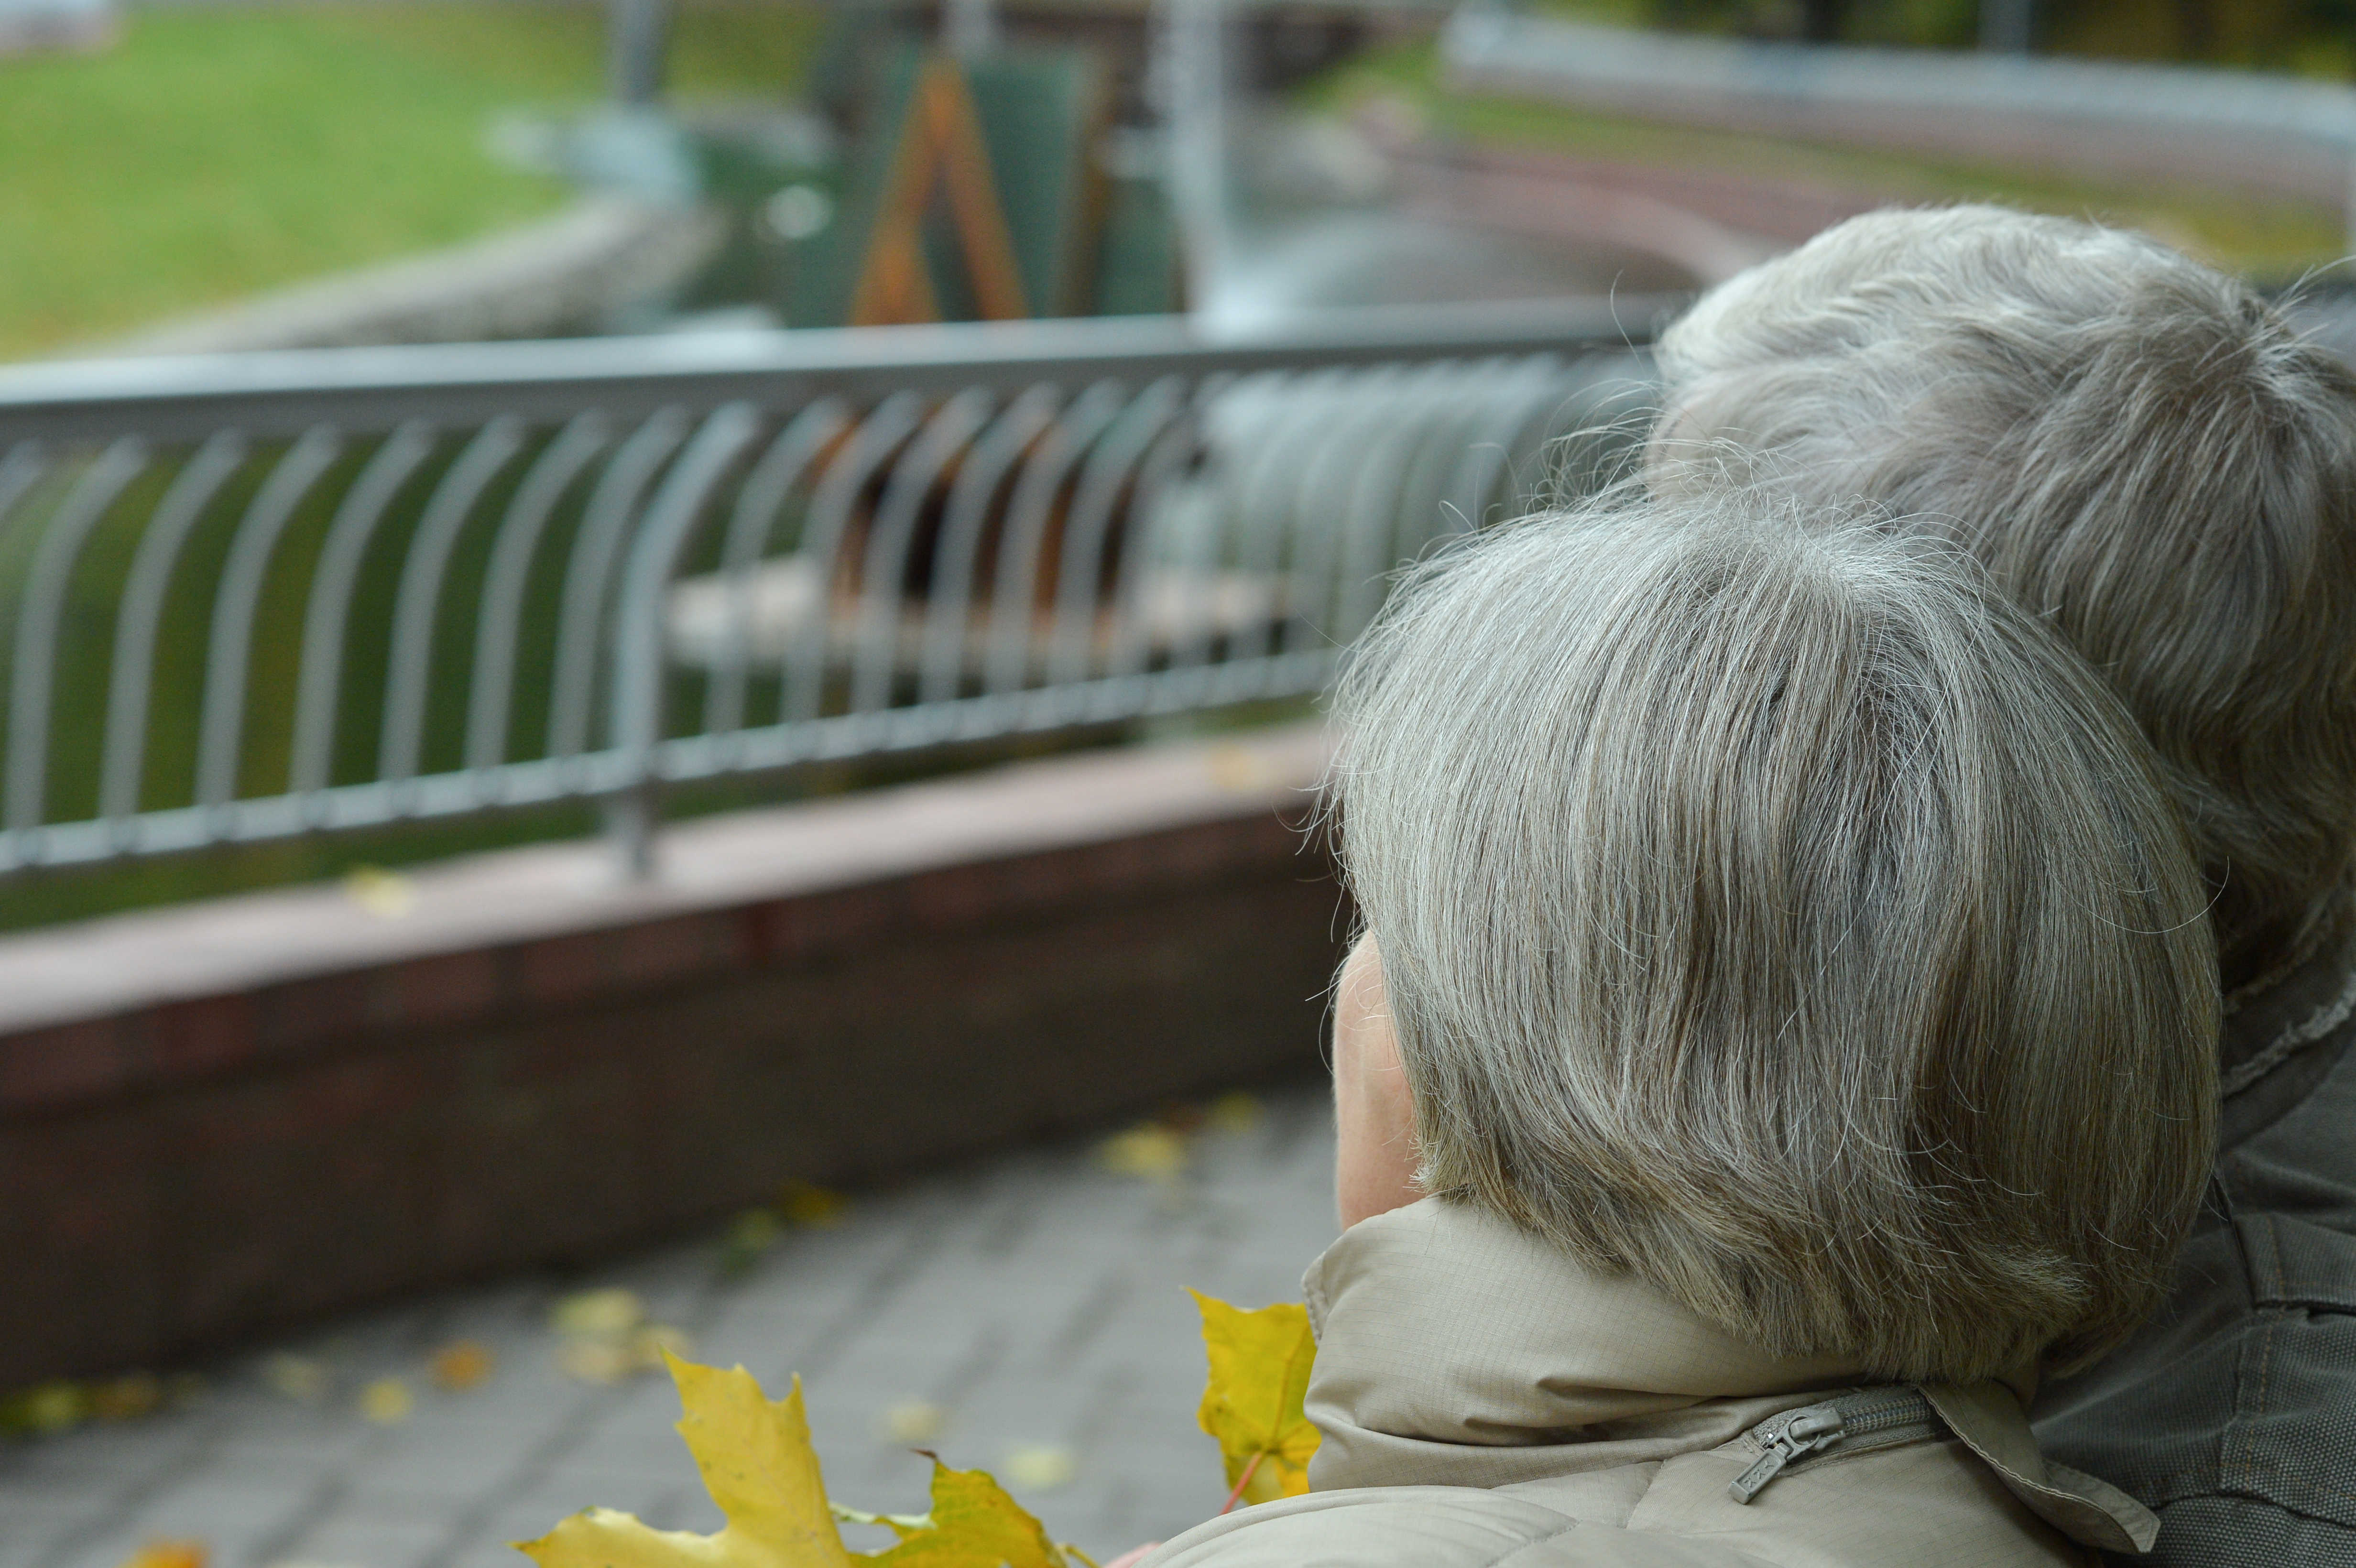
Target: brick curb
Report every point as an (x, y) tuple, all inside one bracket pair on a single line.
[(222, 1118)]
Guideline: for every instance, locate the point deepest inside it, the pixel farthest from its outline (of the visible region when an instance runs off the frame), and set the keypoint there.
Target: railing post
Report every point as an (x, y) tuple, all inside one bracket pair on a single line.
[(637, 46), (632, 812), (631, 817)]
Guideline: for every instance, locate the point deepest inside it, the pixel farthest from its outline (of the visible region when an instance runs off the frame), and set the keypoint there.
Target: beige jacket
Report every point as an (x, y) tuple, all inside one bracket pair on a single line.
[(1486, 1401)]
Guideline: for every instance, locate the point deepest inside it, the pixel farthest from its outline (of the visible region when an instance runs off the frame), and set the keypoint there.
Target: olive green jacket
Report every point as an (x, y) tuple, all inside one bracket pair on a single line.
[(1485, 1401)]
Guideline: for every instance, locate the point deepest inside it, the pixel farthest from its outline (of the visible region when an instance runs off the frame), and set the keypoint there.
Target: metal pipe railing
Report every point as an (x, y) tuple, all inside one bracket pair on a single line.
[(264, 595)]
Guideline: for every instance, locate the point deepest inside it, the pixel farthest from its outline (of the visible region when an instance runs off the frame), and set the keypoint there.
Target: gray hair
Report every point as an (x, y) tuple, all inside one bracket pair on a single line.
[(2140, 450), (1768, 908)]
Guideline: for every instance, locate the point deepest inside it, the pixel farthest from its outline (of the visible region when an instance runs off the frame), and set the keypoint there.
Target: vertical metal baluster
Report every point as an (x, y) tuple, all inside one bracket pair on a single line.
[(773, 478), (1081, 563), (1367, 521), (40, 619), (588, 574), (328, 608), (19, 471), (419, 597), (880, 436), (499, 618), (1261, 528), (1489, 457), (1195, 569), (1014, 584), (1342, 445), (948, 613), (637, 719), (220, 730), (132, 674), (1133, 630), (877, 640), (1453, 423), (1527, 472)]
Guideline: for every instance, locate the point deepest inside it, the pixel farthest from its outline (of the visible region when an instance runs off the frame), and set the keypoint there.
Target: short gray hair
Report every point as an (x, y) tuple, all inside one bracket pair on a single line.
[(2139, 449), (1769, 908)]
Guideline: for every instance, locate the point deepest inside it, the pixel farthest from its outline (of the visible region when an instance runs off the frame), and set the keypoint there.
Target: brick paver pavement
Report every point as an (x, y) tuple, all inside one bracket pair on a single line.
[(1038, 1300)]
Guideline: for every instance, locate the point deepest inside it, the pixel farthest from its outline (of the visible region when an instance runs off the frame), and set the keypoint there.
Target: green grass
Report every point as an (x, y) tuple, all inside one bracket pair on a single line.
[(2268, 238), (211, 154)]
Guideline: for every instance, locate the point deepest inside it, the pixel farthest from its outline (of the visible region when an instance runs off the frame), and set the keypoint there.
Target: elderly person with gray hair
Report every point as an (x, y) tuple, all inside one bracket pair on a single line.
[(1783, 1030), (2147, 457)]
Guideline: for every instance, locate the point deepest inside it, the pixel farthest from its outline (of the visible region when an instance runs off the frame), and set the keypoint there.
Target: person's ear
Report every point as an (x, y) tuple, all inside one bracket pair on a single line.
[(1375, 1155)]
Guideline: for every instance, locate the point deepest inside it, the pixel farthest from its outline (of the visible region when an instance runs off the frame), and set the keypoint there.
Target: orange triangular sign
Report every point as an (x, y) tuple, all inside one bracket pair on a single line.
[(941, 146)]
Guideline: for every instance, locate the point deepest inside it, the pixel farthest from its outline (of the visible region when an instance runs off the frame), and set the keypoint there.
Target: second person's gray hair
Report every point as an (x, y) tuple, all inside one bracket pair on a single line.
[(2141, 451)]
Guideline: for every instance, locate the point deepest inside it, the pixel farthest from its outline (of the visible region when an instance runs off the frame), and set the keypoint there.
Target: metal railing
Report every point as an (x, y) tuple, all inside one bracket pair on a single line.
[(257, 596)]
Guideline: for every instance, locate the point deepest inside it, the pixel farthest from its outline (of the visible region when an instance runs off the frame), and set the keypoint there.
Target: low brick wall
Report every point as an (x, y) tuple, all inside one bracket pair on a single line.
[(218, 1119)]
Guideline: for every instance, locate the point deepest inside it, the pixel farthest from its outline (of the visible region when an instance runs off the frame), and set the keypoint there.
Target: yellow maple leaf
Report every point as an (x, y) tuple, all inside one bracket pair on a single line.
[(974, 1524), (758, 1465), (1252, 1403), (169, 1554)]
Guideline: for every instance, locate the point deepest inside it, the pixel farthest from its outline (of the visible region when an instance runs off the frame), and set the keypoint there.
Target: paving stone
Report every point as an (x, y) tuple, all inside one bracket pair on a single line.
[(1038, 1300)]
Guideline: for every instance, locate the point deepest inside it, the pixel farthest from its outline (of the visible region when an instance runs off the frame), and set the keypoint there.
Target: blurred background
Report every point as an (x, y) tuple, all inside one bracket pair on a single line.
[(661, 667)]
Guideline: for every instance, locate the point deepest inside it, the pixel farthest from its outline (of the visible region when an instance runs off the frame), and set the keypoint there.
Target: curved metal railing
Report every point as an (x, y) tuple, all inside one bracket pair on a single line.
[(267, 596)]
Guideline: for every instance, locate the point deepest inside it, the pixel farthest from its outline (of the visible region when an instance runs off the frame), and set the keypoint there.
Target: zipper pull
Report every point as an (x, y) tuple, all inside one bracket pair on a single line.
[(1799, 1433)]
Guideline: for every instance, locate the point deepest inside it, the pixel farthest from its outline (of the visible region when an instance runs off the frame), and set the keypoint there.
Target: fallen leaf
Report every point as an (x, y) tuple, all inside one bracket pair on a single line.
[(1236, 1113), (758, 1465), (913, 1421), (750, 1235), (387, 1401), (804, 1203), (974, 1524), (651, 1345), (596, 1361), (45, 1408), (1041, 1468), (612, 1311), (168, 1554), (1232, 767), (300, 1377), (460, 1365), (1252, 1403), (604, 1336), (388, 895), (126, 1398), (1153, 1152)]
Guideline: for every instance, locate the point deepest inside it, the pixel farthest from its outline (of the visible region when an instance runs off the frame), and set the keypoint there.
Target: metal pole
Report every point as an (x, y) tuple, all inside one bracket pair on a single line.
[(1194, 66), (969, 27), (2007, 26), (637, 43)]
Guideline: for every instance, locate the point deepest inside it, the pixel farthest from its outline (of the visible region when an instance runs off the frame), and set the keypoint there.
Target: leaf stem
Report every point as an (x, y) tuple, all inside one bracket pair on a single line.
[(1242, 1481), (899, 1521)]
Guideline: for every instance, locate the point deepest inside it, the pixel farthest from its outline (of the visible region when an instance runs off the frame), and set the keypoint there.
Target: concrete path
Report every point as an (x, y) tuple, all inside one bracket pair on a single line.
[(1028, 1315)]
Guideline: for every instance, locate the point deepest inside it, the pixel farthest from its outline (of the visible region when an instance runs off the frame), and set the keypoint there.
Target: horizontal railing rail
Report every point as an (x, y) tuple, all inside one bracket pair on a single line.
[(258, 596)]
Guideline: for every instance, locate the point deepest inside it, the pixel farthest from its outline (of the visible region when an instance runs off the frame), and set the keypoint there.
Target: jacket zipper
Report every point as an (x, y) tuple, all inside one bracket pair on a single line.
[(1892, 1416)]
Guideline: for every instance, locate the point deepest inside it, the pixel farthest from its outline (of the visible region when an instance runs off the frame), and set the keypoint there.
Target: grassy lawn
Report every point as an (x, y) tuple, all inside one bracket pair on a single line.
[(214, 153), (2270, 238)]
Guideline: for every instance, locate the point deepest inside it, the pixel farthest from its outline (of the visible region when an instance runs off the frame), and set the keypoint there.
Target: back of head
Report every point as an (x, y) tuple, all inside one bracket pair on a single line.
[(2138, 449), (1769, 909)]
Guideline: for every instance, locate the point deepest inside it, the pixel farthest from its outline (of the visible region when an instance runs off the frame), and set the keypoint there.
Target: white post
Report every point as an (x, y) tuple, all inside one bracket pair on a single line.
[(1195, 66), (969, 27)]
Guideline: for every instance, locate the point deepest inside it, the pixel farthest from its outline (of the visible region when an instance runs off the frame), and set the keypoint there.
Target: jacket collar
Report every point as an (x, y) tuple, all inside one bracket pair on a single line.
[(2305, 1003), (1456, 1350)]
